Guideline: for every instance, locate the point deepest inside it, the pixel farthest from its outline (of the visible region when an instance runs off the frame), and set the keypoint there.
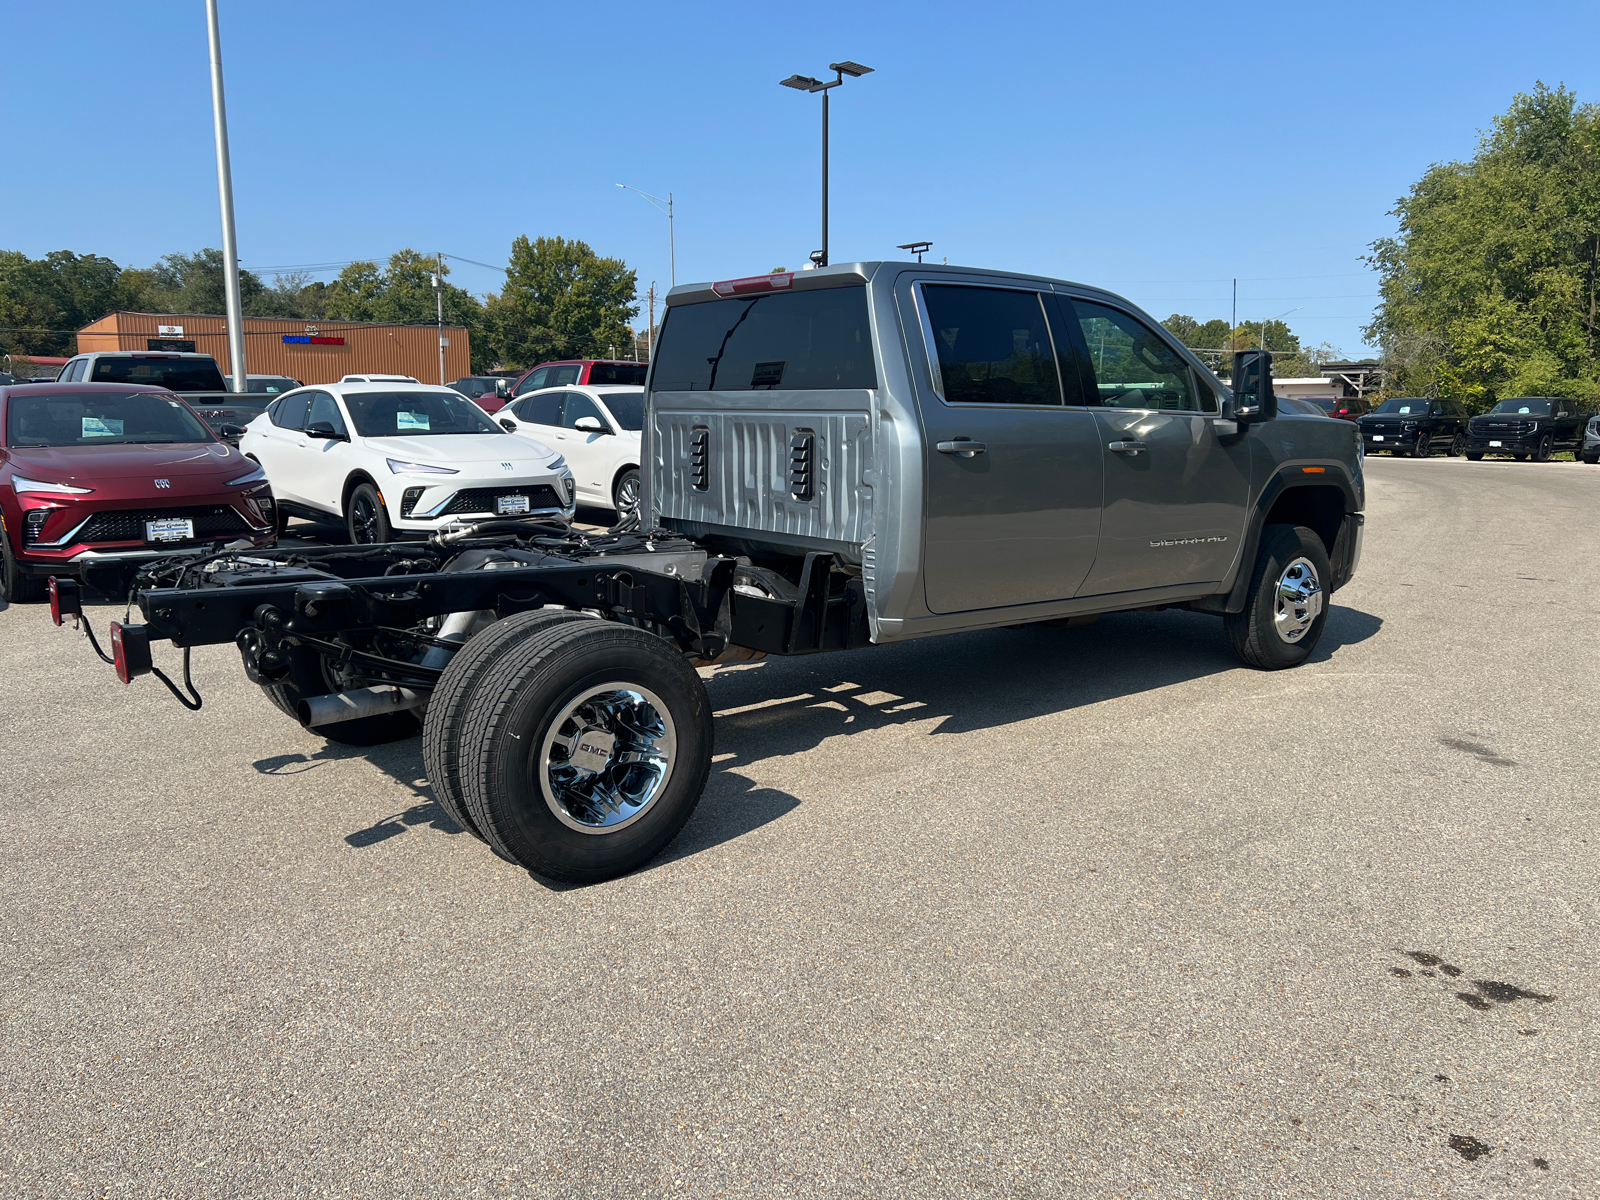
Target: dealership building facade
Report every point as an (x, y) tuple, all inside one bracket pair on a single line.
[(310, 351)]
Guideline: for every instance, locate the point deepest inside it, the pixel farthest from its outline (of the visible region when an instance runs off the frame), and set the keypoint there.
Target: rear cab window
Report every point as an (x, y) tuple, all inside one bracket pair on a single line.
[(818, 339), (178, 374)]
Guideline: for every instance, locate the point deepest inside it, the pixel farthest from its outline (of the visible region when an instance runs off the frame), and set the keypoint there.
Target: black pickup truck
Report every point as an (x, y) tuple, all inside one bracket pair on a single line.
[(195, 377), (1528, 427), (1407, 425), (840, 458)]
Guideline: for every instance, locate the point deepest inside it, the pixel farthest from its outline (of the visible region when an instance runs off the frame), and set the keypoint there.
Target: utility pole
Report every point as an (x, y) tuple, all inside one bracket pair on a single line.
[(230, 241), (652, 318), (438, 294), (672, 245)]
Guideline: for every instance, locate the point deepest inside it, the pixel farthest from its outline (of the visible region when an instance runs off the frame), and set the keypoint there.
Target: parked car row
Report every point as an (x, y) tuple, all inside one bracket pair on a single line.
[(1523, 427)]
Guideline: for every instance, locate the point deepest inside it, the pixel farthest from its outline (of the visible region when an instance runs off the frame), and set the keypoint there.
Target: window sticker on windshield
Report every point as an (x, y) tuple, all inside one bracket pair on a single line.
[(411, 420), (101, 427), (1405, 408)]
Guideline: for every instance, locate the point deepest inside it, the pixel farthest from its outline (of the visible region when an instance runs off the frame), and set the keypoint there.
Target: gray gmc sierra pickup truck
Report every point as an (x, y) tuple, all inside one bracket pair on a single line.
[(838, 458)]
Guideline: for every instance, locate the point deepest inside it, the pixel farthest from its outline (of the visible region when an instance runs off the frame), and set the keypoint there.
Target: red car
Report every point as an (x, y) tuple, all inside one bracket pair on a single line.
[(1344, 410), (91, 472), (561, 373)]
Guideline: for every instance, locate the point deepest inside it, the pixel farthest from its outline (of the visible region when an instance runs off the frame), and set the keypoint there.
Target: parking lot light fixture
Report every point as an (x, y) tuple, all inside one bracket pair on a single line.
[(656, 202), (805, 83)]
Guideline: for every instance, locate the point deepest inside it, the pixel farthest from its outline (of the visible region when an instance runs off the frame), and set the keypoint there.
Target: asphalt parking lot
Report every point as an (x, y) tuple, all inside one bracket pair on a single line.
[(1051, 912)]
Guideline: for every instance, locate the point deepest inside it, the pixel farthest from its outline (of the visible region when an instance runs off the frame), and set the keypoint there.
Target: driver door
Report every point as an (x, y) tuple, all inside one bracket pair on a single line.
[(326, 461)]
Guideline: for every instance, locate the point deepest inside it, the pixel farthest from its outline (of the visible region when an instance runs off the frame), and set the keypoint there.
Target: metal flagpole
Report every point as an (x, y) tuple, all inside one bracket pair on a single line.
[(230, 242)]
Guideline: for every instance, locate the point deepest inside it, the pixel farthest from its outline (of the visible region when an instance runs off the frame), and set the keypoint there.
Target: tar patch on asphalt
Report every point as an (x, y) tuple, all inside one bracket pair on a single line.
[(1470, 1148), (1486, 993)]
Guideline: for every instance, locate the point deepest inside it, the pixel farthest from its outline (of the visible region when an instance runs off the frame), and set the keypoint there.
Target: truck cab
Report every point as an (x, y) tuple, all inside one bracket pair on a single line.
[(983, 448)]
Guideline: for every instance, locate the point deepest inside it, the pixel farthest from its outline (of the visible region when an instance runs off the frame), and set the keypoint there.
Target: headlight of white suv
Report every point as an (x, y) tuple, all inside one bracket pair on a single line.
[(411, 468)]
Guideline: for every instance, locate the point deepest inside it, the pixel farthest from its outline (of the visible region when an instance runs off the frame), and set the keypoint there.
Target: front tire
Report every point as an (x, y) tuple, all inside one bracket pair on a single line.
[(15, 586), (1286, 607), (585, 750), (1458, 445), (1420, 450), (1591, 459), (1547, 447), (1474, 455), (366, 520)]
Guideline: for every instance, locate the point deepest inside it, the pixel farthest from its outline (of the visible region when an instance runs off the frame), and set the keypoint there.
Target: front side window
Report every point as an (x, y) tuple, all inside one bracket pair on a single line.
[(627, 408), (817, 340), (271, 384), (101, 419), (993, 345), (416, 414), (325, 408), (534, 381), (1133, 367), (579, 407), (543, 409)]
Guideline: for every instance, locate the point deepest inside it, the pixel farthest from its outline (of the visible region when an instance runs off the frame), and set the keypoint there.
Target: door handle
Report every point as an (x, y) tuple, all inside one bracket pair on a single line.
[(1127, 447), (965, 447)]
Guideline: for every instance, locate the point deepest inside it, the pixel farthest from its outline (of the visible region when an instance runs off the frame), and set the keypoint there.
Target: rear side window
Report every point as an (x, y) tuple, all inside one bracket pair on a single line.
[(603, 374), (993, 345), (178, 374), (290, 411), (1134, 368), (541, 410), (787, 341)]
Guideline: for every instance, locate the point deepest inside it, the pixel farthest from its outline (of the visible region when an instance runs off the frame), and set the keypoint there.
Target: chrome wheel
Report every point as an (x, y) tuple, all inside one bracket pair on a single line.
[(607, 757), (1299, 600)]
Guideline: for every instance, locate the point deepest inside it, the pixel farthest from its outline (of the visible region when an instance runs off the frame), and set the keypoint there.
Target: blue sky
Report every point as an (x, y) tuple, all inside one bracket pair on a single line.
[(1157, 149)]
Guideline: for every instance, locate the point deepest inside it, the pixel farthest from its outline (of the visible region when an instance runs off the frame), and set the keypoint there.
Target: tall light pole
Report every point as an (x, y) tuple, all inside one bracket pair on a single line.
[(672, 249), (230, 242), (804, 83), (438, 295)]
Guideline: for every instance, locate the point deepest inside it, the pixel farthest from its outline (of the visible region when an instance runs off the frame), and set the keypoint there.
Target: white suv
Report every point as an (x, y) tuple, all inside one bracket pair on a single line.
[(596, 429), (390, 457)]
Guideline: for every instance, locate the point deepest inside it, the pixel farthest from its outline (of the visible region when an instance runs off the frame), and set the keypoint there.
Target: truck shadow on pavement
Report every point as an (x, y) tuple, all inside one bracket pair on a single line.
[(976, 681)]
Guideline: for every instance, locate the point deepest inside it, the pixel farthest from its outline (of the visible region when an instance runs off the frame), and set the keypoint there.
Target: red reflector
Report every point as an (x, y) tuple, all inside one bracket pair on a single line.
[(130, 650), (64, 599), (119, 656), (1313, 470), (753, 284)]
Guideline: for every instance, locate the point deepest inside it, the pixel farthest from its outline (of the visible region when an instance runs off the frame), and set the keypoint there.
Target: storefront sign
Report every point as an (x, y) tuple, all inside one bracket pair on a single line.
[(301, 339), (170, 330)]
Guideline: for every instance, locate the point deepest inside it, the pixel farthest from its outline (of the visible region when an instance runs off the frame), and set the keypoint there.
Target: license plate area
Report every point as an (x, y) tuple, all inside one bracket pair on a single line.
[(1377, 437), (1496, 443), (510, 506), (169, 529)]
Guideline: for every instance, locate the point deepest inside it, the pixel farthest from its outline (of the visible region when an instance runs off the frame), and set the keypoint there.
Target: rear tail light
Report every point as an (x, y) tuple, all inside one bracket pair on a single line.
[(130, 650), (754, 285), (64, 599)]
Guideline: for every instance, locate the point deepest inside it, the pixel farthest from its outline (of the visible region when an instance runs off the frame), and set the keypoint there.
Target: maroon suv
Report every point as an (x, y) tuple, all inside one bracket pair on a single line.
[(98, 471)]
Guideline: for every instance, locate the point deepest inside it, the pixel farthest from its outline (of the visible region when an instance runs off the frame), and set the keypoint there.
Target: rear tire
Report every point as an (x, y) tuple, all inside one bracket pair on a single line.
[(452, 698), (16, 587), (1286, 607), (625, 495), (365, 518), (577, 694), (308, 676)]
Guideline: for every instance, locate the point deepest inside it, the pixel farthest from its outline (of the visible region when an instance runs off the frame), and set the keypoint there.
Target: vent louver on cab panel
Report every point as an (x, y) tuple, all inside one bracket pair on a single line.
[(700, 458), (802, 464)]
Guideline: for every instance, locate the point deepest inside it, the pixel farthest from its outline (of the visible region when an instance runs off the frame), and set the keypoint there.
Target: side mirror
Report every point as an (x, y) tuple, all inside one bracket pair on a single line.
[(324, 430), (509, 426), (590, 425), (1253, 397), (229, 430)]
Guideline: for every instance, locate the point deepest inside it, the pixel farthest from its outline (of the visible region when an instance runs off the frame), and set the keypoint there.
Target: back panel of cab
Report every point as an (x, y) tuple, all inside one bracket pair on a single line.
[(761, 419)]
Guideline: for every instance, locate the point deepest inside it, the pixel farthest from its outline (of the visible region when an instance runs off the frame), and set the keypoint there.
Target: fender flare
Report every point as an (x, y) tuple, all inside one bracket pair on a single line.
[(1324, 473)]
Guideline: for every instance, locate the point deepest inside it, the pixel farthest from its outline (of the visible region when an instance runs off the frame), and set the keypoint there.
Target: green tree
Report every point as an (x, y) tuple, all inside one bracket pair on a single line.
[(562, 300), (1488, 288), (60, 292), (402, 293)]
